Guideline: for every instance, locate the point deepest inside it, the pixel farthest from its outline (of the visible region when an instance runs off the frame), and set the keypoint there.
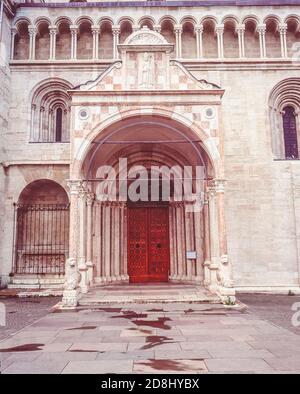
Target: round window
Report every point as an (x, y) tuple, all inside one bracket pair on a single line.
[(83, 113)]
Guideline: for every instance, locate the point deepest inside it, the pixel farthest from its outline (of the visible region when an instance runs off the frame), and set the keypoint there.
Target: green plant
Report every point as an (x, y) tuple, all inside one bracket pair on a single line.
[(229, 301)]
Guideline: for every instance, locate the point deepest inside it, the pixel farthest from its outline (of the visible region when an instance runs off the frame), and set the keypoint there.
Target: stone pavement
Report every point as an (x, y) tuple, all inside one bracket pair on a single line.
[(152, 338)]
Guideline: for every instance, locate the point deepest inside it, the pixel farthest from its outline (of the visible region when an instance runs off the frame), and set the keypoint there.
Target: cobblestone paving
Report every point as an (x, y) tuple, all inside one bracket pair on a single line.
[(274, 308), (157, 338), (21, 312)]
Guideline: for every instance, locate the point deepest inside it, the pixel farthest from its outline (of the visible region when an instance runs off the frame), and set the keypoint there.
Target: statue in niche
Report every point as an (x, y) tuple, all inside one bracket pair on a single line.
[(146, 71)]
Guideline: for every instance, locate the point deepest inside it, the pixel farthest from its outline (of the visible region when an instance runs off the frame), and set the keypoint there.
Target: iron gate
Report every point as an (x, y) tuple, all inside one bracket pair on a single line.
[(41, 238)]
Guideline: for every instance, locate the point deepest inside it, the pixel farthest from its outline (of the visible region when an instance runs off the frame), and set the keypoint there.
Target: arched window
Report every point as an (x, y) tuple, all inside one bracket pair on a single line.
[(58, 125), (50, 112), (290, 133), (284, 104)]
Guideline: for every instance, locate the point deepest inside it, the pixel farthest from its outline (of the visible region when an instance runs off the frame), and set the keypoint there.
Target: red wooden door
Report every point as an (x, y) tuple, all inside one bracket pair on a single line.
[(148, 244)]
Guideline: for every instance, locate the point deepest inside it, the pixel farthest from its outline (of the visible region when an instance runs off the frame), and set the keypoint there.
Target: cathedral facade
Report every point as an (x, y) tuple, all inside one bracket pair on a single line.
[(150, 142)]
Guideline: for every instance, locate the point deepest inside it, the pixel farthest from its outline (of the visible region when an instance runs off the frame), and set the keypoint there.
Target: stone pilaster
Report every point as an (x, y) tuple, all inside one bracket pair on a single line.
[(32, 37), (241, 37), (220, 33), (89, 234), (178, 34), (199, 39), (225, 269), (96, 33), (13, 38), (72, 276), (116, 35), (74, 32), (53, 33), (283, 43), (262, 40)]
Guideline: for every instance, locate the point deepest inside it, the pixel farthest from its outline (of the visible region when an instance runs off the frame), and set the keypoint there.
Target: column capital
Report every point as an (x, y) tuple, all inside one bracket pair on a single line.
[(32, 30), (82, 192), (74, 29), (261, 28), (216, 186), (219, 185), (95, 29), (241, 28), (219, 29), (199, 28), (90, 197), (178, 29), (135, 28), (53, 29), (282, 28), (116, 30), (14, 30), (74, 185), (157, 28)]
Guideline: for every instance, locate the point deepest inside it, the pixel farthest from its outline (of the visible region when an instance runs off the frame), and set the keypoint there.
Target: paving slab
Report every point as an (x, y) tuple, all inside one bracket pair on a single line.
[(35, 367), (179, 366), (98, 367), (237, 364)]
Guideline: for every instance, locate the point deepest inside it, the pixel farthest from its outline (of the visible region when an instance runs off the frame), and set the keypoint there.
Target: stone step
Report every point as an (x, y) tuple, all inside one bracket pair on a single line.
[(162, 293)]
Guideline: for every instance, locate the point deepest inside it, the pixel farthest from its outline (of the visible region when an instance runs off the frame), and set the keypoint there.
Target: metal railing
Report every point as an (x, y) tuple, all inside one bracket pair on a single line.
[(41, 238)]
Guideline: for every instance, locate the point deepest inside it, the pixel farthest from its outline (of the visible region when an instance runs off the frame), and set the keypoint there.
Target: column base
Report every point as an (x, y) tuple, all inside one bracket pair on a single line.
[(70, 298)]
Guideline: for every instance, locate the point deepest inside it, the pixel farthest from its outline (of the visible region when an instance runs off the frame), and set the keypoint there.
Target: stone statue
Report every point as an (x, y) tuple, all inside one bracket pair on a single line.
[(72, 275), (146, 71)]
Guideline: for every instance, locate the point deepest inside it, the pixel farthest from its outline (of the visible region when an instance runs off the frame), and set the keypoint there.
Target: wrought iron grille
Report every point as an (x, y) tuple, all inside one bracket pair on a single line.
[(41, 238)]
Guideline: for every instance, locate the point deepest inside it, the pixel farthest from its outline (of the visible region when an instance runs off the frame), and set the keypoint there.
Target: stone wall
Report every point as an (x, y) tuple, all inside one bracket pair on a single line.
[(262, 196), (5, 95)]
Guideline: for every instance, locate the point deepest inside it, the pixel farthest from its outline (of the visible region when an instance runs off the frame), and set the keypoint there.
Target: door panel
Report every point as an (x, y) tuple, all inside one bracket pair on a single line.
[(137, 245), (158, 244), (148, 244)]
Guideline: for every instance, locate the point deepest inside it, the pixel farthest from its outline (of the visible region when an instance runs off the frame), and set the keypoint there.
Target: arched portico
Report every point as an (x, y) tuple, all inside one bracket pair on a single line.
[(101, 229), (148, 111)]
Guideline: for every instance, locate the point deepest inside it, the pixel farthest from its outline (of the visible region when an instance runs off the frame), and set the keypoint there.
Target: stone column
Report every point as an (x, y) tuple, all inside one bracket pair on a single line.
[(171, 236), (95, 32), (199, 248), (74, 31), (123, 240), (220, 32), (12, 47), (241, 38), (157, 28), (82, 240), (107, 241), (188, 240), (41, 137), (207, 261), (199, 38), (180, 241), (53, 32), (214, 238), (283, 44), (225, 266), (116, 235), (116, 34), (72, 275), (89, 237), (262, 40), (178, 32), (32, 36)]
